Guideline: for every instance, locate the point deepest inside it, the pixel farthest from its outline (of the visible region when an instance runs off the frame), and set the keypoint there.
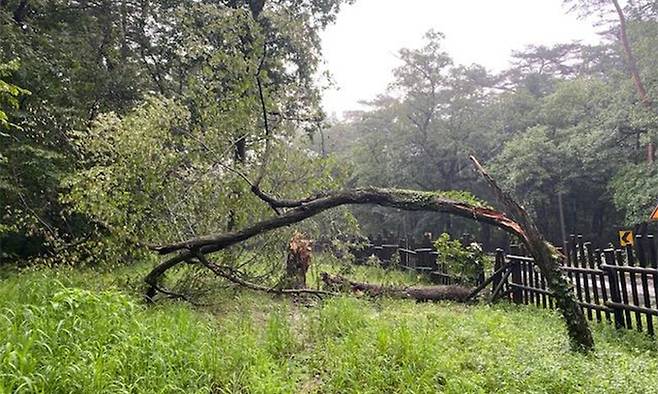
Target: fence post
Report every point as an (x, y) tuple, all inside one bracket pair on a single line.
[(653, 263), (498, 263), (422, 255), (404, 257), (613, 281), (517, 293)]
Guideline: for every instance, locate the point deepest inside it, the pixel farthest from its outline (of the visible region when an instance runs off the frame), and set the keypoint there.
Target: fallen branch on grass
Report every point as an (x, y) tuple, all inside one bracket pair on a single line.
[(420, 293), (231, 275)]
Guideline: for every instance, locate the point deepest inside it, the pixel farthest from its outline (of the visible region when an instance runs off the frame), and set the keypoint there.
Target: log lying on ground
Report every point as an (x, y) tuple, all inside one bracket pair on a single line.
[(420, 293)]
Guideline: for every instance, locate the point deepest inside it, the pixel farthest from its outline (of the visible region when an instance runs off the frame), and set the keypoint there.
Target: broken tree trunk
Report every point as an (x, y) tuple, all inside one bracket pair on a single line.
[(402, 199), (421, 293), (548, 260), (299, 210), (298, 261)]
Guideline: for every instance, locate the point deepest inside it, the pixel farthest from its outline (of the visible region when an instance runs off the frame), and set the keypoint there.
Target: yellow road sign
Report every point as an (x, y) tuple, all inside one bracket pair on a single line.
[(654, 215), (626, 238)]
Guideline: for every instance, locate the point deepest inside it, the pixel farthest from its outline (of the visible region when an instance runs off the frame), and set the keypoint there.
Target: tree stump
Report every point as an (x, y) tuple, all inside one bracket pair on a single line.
[(298, 261)]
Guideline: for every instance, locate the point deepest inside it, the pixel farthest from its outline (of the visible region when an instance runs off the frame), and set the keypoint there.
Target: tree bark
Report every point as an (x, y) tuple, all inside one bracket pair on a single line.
[(393, 198), (298, 261)]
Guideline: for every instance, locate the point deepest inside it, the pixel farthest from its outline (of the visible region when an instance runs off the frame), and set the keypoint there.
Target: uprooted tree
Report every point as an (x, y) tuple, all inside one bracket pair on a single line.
[(196, 250)]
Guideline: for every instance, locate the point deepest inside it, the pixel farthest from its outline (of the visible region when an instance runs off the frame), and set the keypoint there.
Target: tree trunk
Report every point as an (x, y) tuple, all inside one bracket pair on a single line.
[(298, 261), (393, 198), (632, 64), (422, 293), (548, 260)]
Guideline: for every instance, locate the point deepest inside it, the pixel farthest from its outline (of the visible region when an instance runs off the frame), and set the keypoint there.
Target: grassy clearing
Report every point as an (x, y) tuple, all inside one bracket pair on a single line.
[(363, 273), (67, 331)]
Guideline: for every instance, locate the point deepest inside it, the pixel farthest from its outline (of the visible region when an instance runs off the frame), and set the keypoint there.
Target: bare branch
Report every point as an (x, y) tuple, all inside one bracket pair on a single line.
[(229, 274)]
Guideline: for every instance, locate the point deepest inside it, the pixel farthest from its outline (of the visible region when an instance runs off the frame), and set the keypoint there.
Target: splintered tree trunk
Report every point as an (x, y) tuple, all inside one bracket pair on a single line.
[(548, 260), (299, 259)]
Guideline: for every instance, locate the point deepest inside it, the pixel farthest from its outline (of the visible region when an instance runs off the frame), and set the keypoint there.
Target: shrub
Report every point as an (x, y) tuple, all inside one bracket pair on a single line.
[(466, 262)]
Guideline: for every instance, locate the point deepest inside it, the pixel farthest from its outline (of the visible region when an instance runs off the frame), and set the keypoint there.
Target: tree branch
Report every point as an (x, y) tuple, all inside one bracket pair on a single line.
[(401, 199), (229, 274), (632, 64)]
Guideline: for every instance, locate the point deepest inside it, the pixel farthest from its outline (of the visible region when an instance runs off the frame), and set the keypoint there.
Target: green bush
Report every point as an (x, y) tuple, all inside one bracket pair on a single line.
[(466, 262)]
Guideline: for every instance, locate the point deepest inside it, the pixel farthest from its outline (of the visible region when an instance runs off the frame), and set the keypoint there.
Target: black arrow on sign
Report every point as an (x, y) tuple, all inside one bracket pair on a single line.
[(625, 238)]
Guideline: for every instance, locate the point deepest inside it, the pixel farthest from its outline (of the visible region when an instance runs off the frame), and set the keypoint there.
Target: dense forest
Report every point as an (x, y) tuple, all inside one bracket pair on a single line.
[(137, 122), (570, 124)]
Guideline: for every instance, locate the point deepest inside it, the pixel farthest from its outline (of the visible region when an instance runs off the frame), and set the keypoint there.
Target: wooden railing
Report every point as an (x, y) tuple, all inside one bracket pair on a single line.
[(419, 259), (619, 285)]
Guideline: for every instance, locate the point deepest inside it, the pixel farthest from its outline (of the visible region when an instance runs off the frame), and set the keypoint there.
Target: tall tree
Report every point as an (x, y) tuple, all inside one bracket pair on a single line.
[(235, 65)]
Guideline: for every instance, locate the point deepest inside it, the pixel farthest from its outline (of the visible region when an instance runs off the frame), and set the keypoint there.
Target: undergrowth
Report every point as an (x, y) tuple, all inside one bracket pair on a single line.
[(66, 331)]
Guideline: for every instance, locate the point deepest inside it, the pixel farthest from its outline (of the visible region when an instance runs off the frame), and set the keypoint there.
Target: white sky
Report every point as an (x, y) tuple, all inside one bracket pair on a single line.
[(360, 48)]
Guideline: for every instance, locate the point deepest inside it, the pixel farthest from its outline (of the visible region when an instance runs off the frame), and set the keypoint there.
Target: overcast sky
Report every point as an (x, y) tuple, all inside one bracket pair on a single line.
[(360, 49)]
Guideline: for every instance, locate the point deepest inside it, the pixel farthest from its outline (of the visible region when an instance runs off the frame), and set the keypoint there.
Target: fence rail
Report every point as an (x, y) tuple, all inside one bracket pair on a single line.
[(405, 256), (619, 285)]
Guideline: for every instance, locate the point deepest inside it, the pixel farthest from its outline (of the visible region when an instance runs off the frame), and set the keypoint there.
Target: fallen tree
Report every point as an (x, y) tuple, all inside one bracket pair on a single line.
[(294, 211), (549, 260), (420, 293)]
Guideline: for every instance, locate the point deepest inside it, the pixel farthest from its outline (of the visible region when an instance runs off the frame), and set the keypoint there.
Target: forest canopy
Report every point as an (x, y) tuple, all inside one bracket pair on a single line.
[(566, 122), (132, 123)]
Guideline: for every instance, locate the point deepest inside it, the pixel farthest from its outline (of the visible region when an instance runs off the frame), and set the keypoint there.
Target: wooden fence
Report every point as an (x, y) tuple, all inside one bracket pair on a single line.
[(617, 285), (405, 255)]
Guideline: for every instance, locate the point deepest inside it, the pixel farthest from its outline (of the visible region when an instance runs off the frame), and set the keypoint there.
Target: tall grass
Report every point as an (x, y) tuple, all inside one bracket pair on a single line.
[(59, 339), (365, 273), (82, 332)]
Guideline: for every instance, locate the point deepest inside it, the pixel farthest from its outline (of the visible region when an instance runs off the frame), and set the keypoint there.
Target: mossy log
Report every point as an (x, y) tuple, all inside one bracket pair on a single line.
[(420, 293)]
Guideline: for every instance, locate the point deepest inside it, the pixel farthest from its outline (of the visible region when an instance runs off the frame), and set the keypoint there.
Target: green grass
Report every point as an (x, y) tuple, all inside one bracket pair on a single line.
[(64, 331), (363, 273)]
